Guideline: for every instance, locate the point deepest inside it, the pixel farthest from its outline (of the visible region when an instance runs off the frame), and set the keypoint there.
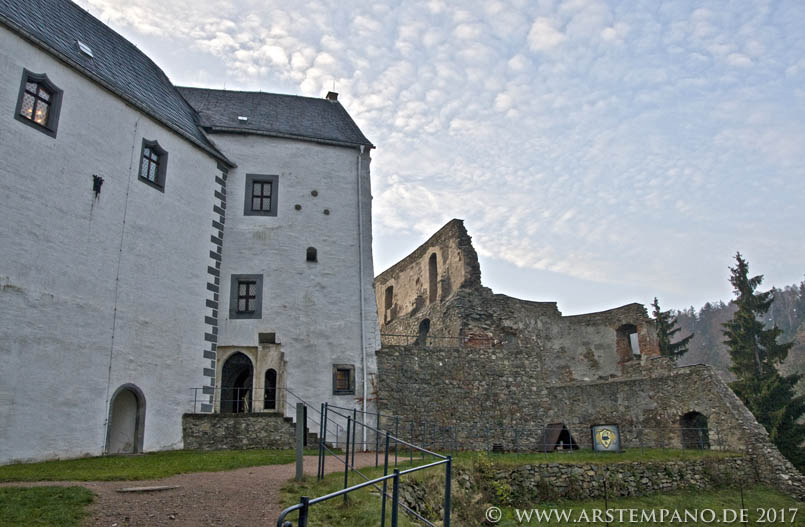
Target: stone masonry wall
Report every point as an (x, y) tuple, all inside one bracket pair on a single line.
[(456, 267), (488, 396), (237, 431), (525, 485)]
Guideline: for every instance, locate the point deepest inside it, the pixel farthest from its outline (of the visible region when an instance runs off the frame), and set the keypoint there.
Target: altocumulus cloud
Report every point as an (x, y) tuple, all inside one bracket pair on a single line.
[(607, 141)]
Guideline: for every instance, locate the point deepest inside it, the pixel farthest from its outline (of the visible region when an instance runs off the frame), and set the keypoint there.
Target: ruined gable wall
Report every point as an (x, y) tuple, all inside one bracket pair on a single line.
[(456, 267)]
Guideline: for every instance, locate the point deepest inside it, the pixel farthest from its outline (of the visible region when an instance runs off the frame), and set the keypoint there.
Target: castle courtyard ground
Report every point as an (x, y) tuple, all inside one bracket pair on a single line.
[(238, 498)]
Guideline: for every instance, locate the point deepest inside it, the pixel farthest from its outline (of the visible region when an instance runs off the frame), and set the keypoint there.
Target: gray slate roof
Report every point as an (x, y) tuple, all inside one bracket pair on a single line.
[(274, 114), (117, 63)]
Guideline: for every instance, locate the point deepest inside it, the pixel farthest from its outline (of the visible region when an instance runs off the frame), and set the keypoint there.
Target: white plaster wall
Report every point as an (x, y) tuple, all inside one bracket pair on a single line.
[(314, 308), (63, 351)]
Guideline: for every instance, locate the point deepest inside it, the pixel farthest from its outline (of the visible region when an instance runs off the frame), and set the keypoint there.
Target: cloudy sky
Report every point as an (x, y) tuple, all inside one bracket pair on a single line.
[(600, 152)]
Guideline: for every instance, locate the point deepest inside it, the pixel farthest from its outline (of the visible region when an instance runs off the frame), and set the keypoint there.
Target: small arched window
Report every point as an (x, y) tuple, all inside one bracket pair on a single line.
[(270, 396), (433, 276), (312, 255), (388, 304)]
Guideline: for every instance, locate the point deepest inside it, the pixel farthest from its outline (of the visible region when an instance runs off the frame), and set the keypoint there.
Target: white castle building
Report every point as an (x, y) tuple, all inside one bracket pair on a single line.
[(157, 240)]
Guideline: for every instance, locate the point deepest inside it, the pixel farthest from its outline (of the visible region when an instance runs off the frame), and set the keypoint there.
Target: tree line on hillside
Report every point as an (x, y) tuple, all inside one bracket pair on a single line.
[(749, 341)]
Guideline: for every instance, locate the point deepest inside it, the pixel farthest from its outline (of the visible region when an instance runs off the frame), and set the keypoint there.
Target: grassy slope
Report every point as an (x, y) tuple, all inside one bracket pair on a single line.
[(43, 506), (146, 466), (363, 507)]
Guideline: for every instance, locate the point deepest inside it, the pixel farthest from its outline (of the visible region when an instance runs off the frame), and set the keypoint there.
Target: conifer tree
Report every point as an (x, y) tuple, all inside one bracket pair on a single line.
[(666, 329), (756, 355)]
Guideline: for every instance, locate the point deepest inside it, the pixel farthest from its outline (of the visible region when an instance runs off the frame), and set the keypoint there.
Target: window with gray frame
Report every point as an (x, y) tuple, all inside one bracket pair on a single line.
[(343, 379), (246, 296), (39, 103), (153, 164), (262, 192)]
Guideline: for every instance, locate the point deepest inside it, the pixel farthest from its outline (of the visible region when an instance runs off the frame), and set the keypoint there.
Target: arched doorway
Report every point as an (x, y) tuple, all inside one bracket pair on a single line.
[(236, 384), (422, 336), (270, 396), (695, 434), (124, 433)]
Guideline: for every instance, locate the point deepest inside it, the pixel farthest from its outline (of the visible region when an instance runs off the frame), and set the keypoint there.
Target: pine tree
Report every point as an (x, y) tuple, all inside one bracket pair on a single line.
[(666, 329), (756, 355)]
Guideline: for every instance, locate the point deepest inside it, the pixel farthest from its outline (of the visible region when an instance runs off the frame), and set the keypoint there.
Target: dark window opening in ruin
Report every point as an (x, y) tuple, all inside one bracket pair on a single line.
[(556, 436), (126, 421), (422, 335), (695, 435), (433, 273), (270, 397), (236, 384), (343, 379), (389, 302), (311, 255), (627, 343)]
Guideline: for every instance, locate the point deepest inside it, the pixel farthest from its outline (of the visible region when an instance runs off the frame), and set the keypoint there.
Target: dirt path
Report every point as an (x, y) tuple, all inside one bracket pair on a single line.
[(247, 497)]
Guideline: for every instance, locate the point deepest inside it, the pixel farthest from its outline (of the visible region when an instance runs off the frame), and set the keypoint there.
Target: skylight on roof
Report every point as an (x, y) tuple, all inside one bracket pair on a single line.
[(242, 118), (86, 50)]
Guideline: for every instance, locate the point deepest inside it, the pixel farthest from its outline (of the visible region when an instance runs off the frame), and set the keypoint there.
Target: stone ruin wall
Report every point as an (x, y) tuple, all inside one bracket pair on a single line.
[(482, 395), (491, 364), (459, 311), (412, 290)]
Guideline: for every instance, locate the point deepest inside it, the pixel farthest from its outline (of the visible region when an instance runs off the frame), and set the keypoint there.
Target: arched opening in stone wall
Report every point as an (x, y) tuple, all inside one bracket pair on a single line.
[(627, 344), (556, 436), (433, 277), (311, 255), (422, 334), (389, 302), (270, 396), (124, 434), (236, 384), (695, 434)]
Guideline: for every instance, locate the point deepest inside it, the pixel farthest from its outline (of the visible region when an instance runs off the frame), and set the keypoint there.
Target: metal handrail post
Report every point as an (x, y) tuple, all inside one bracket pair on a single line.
[(303, 511), (377, 438), (385, 484), (447, 490), (354, 433), (321, 442), (395, 497), (411, 449), (346, 458), (396, 435)]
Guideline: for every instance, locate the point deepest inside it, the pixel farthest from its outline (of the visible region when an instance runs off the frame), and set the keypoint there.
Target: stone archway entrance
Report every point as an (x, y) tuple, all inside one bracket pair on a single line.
[(237, 378), (124, 433)]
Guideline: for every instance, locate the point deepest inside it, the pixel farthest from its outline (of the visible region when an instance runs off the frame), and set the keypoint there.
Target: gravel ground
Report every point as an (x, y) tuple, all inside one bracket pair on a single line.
[(247, 497)]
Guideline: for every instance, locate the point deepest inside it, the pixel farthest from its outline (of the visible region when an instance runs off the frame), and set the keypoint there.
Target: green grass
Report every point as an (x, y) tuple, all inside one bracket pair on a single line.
[(43, 506), (146, 466), (362, 508)]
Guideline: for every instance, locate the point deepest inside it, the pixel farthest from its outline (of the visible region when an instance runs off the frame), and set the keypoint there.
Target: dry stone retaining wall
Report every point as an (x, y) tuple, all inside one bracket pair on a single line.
[(237, 431)]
